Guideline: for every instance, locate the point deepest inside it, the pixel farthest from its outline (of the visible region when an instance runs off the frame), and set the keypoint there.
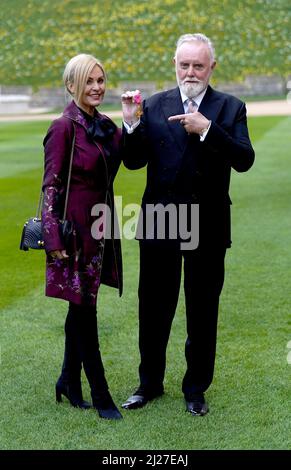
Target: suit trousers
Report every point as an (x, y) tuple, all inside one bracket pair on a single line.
[(159, 285)]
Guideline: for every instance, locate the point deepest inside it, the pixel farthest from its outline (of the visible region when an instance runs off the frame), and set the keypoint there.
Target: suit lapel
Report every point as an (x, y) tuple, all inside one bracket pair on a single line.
[(172, 105), (211, 104)]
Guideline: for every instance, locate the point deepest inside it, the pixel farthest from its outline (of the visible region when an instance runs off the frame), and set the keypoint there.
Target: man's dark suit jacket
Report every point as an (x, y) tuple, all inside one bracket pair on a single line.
[(181, 168)]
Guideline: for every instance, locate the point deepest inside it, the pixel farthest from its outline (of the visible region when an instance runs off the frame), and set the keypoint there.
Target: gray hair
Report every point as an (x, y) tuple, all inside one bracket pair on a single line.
[(196, 37)]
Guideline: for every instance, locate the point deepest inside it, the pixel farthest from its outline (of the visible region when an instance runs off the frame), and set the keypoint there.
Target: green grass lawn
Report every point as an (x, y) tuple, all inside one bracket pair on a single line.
[(250, 396)]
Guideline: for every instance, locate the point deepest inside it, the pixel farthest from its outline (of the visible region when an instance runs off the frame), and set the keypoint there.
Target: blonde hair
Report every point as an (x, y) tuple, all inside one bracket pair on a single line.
[(77, 72)]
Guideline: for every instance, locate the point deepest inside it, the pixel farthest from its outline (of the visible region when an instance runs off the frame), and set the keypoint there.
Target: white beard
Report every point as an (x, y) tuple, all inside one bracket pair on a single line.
[(191, 90)]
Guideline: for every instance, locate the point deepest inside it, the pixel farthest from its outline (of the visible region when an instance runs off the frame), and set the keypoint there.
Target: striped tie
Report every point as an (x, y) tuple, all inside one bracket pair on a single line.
[(192, 105)]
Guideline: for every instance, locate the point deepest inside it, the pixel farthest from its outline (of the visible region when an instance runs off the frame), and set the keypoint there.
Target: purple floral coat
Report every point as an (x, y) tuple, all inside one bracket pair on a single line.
[(91, 261)]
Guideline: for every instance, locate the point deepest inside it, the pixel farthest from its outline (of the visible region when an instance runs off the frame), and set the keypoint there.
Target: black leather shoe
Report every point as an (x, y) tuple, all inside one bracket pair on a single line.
[(135, 401), (140, 398), (196, 404)]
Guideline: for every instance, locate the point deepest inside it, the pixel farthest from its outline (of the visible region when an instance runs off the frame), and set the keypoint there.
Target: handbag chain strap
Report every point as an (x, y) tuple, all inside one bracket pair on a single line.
[(69, 174), (68, 182)]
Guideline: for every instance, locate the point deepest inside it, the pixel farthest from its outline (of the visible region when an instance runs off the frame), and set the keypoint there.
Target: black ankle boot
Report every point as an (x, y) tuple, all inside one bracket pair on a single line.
[(73, 393), (105, 406), (69, 382), (93, 366)]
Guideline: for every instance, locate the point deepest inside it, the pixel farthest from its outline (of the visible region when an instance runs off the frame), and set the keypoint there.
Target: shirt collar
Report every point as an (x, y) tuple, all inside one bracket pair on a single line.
[(197, 99)]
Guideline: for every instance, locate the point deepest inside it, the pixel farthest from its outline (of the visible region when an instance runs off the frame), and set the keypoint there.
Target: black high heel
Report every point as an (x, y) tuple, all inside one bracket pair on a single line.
[(72, 394), (87, 333), (105, 406)]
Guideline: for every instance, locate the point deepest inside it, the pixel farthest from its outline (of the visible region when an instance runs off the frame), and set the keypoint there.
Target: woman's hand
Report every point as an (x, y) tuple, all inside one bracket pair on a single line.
[(131, 106), (58, 254)]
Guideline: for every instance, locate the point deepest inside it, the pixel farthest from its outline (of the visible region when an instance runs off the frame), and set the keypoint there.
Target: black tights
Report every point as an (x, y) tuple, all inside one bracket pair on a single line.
[(82, 348)]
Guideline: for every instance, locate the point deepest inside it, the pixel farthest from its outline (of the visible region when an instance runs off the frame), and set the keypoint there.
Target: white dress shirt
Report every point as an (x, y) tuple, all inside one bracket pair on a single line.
[(197, 100)]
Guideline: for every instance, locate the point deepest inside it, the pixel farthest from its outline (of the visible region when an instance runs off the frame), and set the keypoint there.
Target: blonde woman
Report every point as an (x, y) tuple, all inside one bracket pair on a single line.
[(75, 270)]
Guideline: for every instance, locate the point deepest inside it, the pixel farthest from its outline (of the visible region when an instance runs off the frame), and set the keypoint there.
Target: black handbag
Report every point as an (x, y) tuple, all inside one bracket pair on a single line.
[(32, 236)]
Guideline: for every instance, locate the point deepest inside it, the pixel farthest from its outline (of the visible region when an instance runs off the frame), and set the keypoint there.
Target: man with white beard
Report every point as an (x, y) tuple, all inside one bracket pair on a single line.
[(190, 138)]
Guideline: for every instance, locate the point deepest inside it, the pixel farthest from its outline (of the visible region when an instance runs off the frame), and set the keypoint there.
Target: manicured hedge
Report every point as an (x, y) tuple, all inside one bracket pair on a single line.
[(136, 39)]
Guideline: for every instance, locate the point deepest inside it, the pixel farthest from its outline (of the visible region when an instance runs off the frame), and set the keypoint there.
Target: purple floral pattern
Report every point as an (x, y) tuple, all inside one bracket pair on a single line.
[(65, 276), (78, 277)]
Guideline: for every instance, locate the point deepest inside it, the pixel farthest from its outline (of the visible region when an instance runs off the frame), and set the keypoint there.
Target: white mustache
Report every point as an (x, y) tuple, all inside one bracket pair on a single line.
[(187, 80)]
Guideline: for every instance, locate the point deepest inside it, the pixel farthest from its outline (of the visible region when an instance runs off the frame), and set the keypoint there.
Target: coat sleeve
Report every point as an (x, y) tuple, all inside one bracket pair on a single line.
[(234, 145), (135, 150), (57, 149)]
